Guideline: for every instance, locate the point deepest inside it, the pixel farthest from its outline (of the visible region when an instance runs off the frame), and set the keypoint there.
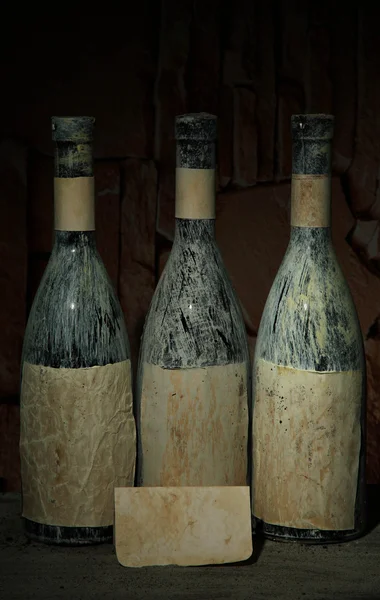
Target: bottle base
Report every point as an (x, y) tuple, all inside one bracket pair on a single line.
[(305, 536), (67, 536)]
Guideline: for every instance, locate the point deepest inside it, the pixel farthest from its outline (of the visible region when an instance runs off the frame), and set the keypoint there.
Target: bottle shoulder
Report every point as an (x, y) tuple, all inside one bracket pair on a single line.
[(194, 319), (76, 318), (74, 277), (309, 320)]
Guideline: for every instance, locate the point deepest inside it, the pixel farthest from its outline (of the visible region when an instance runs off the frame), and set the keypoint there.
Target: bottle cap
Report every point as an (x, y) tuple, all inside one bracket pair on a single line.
[(196, 126), (72, 129), (313, 127)]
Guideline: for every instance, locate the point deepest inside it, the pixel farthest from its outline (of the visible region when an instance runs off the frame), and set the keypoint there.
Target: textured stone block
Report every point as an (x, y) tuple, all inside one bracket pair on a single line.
[(109, 74), (239, 43), (137, 263), (13, 262), (372, 349), (363, 174), (249, 64), (343, 77), (171, 100), (107, 215), (292, 74), (290, 102), (263, 71), (319, 87), (206, 48), (9, 451), (365, 241), (252, 231), (245, 138), (225, 136), (40, 202)]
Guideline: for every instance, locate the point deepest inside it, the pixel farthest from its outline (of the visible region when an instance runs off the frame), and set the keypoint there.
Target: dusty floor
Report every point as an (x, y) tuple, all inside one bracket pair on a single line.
[(286, 571)]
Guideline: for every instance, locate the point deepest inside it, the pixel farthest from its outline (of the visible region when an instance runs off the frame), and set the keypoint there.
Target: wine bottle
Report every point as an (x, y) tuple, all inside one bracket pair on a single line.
[(193, 391), (77, 427), (309, 371)]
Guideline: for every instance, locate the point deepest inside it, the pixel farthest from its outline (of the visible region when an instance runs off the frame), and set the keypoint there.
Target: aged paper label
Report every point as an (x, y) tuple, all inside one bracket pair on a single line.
[(311, 201), (77, 442), (194, 426), (182, 525), (306, 445), (74, 208), (195, 193)]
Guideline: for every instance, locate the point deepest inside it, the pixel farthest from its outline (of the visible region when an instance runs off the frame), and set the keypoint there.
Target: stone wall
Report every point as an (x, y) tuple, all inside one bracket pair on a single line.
[(253, 63)]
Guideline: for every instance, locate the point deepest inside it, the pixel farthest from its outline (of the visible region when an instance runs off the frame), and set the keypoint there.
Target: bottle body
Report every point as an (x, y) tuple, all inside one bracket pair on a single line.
[(193, 378), (309, 375), (77, 428)]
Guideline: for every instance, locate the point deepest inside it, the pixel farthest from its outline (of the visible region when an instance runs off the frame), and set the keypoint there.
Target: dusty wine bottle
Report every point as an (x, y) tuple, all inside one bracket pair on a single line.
[(309, 371), (77, 427), (193, 392)]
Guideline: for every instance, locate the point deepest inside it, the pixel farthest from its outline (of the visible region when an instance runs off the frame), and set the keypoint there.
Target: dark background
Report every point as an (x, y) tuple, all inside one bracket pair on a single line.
[(252, 63)]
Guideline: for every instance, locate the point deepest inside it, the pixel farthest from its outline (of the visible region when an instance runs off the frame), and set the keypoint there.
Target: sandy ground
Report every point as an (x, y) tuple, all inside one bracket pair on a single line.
[(287, 571)]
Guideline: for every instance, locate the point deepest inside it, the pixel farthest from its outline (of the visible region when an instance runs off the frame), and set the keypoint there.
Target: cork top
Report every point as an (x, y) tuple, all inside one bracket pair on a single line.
[(72, 129), (196, 126), (313, 127)]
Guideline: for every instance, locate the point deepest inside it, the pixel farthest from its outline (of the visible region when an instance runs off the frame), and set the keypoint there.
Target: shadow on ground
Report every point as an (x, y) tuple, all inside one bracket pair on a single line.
[(373, 507)]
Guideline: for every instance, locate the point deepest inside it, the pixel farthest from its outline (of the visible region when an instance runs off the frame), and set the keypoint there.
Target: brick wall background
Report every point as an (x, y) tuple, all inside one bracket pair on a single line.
[(251, 62)]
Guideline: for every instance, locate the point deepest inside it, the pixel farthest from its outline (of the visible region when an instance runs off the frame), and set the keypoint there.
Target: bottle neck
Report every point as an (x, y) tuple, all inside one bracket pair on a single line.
[(74, 206), (195, 180), (194, 231), (311, 183), (311, 239), (74, 242), (311, 201)]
